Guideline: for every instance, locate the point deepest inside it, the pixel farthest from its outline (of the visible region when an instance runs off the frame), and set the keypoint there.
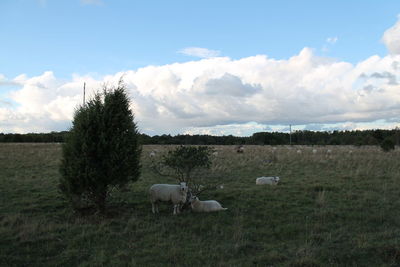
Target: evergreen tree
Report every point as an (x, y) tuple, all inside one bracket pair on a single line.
[(101, 151)]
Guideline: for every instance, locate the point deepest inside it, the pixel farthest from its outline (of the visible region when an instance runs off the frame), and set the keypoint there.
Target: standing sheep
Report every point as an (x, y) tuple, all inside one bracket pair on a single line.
[(168, 192), (205, 206)]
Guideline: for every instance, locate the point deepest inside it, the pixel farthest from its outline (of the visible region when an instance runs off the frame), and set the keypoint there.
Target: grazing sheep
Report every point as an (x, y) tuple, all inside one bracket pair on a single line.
[(152, 154), (298, 151), (328, 151), (205, 205), (314, 151), (168, 192), (215, 153), (240, 149), (272, 180)]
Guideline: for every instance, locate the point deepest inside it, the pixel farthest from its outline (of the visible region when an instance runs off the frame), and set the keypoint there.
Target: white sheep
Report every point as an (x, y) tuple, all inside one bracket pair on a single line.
[(168, 192), (298, 151), (240, 149), (205, 205), (152, 154), (272, 180), (314, 151)]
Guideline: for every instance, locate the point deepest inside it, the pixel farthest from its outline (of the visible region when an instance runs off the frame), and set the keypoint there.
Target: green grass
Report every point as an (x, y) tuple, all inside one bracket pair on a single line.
[(337, 209)]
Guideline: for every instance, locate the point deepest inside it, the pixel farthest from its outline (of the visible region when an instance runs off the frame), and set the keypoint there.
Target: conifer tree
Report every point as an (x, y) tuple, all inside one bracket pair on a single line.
[(101, 151)]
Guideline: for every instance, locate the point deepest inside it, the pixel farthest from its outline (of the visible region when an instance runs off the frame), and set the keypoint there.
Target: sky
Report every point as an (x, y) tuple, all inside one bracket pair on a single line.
[(203, 67)]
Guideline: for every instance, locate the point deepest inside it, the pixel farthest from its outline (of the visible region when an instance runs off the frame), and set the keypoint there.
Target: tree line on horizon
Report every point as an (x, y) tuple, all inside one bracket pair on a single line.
[(299, 137)]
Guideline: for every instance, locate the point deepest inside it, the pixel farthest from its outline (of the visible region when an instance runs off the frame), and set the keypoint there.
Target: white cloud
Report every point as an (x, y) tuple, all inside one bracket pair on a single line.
[(220, 95), (391, 38), (331, 40), (199, 52)]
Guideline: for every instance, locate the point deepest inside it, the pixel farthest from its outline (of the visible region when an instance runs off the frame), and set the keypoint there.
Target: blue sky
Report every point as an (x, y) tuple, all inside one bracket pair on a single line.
[(93, 39), (72, 37)]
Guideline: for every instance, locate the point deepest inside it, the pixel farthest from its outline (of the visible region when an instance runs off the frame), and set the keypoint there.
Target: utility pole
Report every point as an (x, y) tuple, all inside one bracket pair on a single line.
[(84, 92), (290, 134)]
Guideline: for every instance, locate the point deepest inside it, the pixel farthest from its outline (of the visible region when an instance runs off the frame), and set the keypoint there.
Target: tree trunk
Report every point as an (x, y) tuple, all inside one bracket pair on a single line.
[(100, 201)]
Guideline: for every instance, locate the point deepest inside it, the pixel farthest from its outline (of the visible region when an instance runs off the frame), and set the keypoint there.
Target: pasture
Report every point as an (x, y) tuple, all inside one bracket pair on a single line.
[(340, 208)]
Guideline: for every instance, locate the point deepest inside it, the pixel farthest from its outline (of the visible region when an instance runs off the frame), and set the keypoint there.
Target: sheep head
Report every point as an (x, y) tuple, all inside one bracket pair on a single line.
[(183, 187)]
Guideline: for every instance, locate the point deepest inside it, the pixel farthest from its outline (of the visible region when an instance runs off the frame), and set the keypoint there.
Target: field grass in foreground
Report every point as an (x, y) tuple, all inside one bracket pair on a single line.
[(339, 209)]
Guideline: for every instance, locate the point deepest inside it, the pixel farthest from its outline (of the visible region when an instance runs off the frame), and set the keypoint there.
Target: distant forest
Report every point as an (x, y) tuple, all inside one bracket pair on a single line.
[(358, 138)]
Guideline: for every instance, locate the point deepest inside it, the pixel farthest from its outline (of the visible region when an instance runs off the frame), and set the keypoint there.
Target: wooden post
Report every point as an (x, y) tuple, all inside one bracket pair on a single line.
[(84, 92), (290, 134)]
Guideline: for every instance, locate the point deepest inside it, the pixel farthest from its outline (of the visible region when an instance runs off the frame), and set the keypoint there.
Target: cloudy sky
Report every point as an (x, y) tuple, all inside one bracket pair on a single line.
[(208, 67)]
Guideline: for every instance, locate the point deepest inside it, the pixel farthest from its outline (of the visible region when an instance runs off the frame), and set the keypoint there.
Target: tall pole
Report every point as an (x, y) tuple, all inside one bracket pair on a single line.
[(290, 134), (84, 92)]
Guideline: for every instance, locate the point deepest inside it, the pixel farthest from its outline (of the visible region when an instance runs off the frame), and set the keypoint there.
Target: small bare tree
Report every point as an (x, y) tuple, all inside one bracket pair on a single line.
[(190, 164)]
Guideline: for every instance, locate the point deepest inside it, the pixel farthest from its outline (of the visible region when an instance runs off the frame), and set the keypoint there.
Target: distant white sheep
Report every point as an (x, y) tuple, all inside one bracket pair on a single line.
[(314, 151), (205, 205), (168, 192), (152, 154), (329, 151), (240, 149), (298, 151), (272, 180)]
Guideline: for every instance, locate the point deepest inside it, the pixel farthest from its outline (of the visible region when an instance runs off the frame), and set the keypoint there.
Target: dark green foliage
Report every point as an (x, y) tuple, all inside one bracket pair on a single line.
[(304, 137), (185, 159), (387, 144), (189, 164), (101, 151)]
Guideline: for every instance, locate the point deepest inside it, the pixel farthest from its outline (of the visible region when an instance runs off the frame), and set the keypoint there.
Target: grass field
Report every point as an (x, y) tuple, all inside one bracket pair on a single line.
[(339, 209)]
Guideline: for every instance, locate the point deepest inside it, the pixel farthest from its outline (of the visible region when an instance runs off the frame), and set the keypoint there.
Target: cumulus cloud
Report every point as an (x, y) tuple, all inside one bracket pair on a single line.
[(220, 95), (391, 38), (199, 52)]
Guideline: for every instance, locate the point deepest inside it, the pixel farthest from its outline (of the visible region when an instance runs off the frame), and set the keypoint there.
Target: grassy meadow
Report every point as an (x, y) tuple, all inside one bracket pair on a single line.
[(339, 209)]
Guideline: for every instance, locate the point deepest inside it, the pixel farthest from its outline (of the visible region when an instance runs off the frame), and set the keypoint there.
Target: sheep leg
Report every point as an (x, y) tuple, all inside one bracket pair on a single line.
[(153, 207)]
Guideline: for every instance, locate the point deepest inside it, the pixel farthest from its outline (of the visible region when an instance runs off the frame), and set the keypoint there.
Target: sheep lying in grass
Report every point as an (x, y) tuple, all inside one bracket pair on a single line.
[(168, 192), (205, 205), (267, 180)]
